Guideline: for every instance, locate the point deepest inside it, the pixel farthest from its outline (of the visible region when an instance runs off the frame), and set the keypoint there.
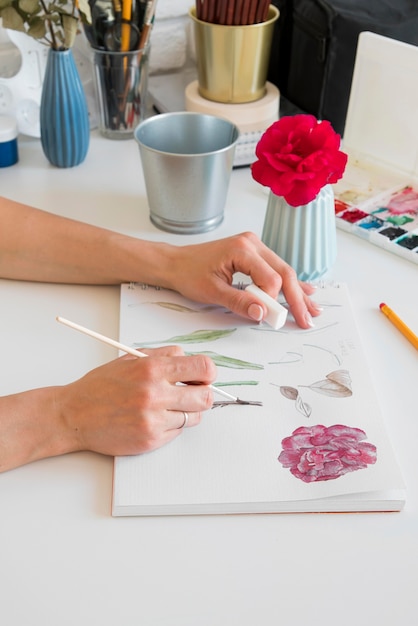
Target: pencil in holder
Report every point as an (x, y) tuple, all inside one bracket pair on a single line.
[(232, 60), (121, 80)]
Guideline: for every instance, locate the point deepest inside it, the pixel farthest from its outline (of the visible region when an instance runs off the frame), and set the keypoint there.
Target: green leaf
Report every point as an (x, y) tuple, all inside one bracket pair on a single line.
[(69, 24), (37, 28), (30, 6), (198, 336), (227, 361), (84, 10), (5, 3), (11, 19)]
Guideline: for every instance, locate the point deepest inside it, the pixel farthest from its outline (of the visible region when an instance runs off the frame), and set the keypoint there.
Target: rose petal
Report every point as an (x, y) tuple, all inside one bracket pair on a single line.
[(297, 156)]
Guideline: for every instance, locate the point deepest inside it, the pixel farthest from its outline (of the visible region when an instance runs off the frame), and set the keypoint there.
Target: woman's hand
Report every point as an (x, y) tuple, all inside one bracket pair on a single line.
[(134, 405), (204, 272), (128, 406)]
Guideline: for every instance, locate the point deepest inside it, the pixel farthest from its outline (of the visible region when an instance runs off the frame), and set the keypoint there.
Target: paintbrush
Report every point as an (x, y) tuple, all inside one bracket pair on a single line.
[(137, 353)]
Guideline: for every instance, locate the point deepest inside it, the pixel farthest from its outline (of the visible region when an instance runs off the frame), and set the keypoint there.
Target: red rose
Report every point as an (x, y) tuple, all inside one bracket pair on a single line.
[(297, 156), (319, 453)]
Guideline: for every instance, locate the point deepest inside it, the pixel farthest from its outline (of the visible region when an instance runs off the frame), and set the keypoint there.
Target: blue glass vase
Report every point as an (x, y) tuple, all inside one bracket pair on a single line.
[(64, 120), (303, 236)]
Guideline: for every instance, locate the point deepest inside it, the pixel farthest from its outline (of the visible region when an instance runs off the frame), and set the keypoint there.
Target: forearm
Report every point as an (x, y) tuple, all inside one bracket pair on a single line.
[(31, 428), (127, 406), (40, 246)]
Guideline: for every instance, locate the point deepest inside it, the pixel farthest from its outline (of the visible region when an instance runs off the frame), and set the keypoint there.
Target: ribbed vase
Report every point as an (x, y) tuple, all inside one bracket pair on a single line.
[(65, 130), (304, 236)]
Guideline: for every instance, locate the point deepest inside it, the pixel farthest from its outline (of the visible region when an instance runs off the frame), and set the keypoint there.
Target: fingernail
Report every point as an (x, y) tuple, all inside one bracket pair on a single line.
[(309, 320), (255, 312)]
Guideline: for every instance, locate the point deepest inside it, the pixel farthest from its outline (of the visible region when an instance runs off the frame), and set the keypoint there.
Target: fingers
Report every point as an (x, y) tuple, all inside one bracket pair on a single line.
[(248, 255), (185, 419), (135, 405)]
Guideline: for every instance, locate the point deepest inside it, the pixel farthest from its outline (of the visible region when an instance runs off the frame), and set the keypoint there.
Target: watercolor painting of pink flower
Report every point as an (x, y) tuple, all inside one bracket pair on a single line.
[(318, 452)]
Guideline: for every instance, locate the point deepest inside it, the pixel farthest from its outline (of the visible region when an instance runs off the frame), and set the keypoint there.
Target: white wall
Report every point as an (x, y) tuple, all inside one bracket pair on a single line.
[(172, 36)]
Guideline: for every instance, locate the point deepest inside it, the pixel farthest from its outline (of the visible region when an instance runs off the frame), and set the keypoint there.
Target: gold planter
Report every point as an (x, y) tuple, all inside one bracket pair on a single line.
[(232, 61)]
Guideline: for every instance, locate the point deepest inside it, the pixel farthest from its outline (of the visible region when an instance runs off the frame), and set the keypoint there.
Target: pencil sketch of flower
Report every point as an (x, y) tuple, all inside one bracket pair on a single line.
[(293, 394), (330, 352), (294, 357), (336, 384), (288, 357), (318, 453)]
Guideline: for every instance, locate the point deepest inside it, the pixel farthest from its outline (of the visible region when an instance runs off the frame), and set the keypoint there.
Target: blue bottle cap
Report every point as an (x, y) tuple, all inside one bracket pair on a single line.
[(8, 141)]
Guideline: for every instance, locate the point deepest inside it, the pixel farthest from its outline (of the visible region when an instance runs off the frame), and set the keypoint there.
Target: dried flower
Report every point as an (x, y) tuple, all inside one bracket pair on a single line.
[(297, 156), (52, 23)]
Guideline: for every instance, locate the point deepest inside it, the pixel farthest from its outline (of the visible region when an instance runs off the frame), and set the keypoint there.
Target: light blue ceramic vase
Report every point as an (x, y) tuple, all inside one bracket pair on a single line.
[(304, 236), (64, 120)]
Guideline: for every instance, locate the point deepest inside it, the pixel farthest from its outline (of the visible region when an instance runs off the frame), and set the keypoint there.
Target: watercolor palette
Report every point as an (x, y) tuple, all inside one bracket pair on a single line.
[(377, 198), (388, 218)]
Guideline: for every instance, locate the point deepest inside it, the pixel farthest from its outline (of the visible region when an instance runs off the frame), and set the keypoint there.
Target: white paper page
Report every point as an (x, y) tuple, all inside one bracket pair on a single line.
[(233, 455)]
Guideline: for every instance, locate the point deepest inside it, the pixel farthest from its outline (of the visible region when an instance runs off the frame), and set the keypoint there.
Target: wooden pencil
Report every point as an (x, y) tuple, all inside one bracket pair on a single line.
[(245, 12), (266, 10), (204, 16), (252, 12), (238, 12), (223, 11), (230, 13), (211, 10), (126, 26), (262, 11)]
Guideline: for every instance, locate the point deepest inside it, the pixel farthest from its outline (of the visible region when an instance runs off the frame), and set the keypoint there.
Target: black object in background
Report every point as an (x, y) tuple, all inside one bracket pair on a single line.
[(315, 43)]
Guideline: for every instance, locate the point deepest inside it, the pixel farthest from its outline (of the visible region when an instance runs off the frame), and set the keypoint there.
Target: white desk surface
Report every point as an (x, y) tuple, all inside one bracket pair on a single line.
[(64, 560)]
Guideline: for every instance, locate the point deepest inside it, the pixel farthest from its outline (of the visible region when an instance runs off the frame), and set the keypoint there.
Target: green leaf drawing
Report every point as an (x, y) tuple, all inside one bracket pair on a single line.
[(198, 336), (181, 308), (227, 361), (233, 383)]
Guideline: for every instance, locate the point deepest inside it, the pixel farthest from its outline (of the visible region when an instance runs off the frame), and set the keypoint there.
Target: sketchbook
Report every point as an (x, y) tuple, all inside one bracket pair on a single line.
[(377, 198), (316, 443)]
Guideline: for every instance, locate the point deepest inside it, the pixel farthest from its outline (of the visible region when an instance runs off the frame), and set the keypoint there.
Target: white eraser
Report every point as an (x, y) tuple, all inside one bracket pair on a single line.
[(276, 313)]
